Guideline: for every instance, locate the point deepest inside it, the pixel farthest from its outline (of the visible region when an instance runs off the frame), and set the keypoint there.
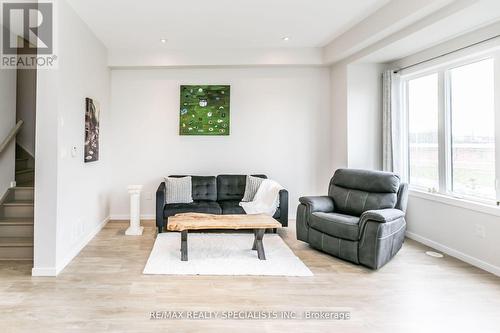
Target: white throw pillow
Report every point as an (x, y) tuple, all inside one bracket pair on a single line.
[(178, 190), (251, 187)]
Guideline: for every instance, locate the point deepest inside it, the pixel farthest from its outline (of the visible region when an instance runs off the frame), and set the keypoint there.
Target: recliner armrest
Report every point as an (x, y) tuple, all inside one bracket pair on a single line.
[(318, 204), (379, 216), (382, 215)]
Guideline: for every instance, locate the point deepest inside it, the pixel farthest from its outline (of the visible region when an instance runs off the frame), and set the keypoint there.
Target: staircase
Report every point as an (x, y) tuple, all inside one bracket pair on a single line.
[(17, 212), (25, 168)]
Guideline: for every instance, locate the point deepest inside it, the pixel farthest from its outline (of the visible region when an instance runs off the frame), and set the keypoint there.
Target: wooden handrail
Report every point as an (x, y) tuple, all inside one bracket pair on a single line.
[(12, 135)]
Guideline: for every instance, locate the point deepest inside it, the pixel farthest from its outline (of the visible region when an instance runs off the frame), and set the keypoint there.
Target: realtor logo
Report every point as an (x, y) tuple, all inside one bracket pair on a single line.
[(27, 34)]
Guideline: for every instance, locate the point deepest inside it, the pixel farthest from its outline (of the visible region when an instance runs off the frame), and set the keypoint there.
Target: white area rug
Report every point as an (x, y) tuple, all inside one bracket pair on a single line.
[(223, 254)]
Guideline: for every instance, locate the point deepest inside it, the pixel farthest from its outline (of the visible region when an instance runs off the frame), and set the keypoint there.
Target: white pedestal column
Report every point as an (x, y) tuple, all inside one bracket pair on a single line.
[(135, 228)]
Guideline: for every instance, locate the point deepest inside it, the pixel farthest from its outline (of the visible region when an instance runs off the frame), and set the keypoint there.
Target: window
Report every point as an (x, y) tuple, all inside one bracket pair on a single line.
[(473, 129), (423, 131), (450, 129)]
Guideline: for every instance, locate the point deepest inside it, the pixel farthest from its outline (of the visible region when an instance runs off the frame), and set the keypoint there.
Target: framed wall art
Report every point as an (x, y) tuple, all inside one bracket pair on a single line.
[(204, 110), (92, 114)]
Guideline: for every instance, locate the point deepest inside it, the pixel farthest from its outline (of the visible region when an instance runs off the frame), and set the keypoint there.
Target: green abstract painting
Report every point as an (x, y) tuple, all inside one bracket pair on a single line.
[(204, 110)]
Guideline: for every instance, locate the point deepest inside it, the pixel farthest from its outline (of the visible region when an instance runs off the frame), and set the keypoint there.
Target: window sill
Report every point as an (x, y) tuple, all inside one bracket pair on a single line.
[(457, 202)]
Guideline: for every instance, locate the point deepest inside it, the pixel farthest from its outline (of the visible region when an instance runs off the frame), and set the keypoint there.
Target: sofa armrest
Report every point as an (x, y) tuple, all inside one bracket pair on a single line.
[(382, 215), (160, 206), (318, 204), (283, 207)]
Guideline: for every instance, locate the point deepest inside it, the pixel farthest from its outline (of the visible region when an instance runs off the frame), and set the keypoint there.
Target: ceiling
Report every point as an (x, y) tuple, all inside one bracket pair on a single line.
[(472, 17), (221, 24)]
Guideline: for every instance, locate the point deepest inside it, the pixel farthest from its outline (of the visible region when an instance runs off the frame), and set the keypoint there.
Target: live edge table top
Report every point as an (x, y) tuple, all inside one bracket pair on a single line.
[(198, 221)]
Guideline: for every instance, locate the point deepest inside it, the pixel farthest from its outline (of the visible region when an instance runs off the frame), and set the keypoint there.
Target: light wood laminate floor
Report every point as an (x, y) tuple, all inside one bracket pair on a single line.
[(103, 290)]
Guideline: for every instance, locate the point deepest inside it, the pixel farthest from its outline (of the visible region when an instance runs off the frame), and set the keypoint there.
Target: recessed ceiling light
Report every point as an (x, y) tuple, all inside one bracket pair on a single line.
[(163, 40), (286, 38)]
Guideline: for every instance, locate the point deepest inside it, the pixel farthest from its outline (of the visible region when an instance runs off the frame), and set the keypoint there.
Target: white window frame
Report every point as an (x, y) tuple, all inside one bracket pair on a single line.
[(444, 122)]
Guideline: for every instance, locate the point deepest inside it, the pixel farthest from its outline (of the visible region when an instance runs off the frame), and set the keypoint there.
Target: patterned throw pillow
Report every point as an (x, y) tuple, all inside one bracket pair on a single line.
[(178, 190), (253, 184)]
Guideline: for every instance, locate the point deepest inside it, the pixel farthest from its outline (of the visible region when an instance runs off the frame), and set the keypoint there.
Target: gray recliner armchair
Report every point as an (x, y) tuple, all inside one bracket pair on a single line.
[(362, 219)]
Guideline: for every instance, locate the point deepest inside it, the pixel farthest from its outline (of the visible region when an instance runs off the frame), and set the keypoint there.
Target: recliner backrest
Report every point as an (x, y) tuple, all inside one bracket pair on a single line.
[(356, 191), (232, 187)]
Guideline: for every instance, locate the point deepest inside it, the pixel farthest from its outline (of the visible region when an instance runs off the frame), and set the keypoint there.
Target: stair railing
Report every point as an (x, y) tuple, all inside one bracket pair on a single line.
[(12, 134)]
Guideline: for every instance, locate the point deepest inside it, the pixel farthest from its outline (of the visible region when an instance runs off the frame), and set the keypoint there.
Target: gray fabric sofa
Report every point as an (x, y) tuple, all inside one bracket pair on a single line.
[(362, 219)]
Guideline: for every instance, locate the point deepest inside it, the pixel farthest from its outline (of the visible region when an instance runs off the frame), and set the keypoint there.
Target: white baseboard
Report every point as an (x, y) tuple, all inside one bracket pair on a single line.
[(127, 217), (454, 253), (76, 250), (43, 271), (54, 271)]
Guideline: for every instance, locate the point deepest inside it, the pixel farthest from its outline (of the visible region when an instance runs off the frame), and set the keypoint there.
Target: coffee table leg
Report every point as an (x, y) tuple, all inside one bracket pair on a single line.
[(184, 245), (254, 246), (257, 243)]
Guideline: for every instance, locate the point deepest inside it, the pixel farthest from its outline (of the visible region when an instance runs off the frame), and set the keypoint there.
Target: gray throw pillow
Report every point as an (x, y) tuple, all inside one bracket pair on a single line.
[(251, 187), (178, 190)]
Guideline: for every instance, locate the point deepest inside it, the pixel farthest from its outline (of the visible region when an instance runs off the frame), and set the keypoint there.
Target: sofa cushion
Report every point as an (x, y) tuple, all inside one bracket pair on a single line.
[(231, 207), (203, 187), (335, 224), (178, 190), (251, 188), (232, 187), (208, 207)]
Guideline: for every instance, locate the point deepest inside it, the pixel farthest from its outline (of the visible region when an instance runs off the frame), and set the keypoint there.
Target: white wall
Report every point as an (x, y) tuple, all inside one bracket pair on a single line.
[(26, 108), (280, 126), (46, 156), (441, 224), (338, 110), (364, 119), (7, 122), (119, 58), (71, 196), (83, 188), (452, 229), (356, 107)]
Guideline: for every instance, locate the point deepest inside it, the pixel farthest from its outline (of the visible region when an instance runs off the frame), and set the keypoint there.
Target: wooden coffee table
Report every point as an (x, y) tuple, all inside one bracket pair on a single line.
[(196, 221)]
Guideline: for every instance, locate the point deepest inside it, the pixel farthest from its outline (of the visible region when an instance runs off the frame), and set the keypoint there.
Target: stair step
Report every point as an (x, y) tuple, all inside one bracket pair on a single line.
[(16, 217), (16, 227), (16, 221), (16, 241), (16, 248), (28, 183), (16, 203), (21, 166), (25, 171), (13, 210), (25, 177), (22, 193)]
